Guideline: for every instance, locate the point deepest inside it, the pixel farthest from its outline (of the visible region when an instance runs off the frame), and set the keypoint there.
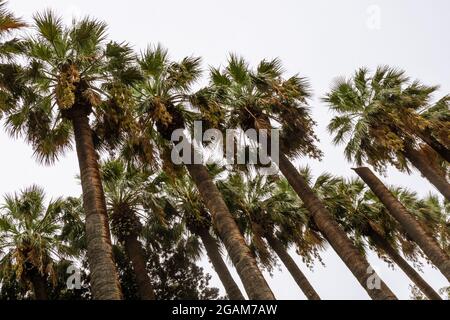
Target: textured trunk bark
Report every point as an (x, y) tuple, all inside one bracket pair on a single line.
[(435, 144), (292, 267), (428, 245), (438, 180), (343, 246), (415, 277), (241, 256), (39, 285), (212, 250), (135, 253), (104, 279)]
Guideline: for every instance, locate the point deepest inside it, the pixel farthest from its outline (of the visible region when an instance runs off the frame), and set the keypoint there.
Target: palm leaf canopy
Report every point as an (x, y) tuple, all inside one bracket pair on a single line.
[(164, 93), (10, 47), (262, 98), (30, 233), (378, 113), (67, 69)]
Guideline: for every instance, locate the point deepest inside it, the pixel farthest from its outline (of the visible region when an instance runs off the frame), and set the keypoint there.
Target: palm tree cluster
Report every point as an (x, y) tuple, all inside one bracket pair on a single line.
[(143, 221)]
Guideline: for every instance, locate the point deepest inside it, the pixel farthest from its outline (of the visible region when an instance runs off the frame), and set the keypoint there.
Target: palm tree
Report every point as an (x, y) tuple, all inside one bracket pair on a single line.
[(414, 229), (10, 86), (71, 74), (162, 99), (184, 201), (266, 214), (29, 239), (381, 120), (254, 100), (125, 189), (360, 213)]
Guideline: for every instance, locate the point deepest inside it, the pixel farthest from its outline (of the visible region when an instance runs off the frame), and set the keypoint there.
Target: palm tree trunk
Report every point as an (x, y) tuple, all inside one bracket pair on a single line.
[(136, 254), (343, 246), (412, 227), (442, 150), (415, 277), (212, 250), (292, 267), (241, 256), (39, 284), (438, 180), (104, 279)]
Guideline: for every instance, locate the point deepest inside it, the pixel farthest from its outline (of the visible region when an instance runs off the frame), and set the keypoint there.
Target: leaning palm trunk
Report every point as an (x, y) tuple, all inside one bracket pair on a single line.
[(228, 231), (412, 274), (39, 284), (212, 250), (292, 267), (104, 279), (136, 254), (412, 227), (343, 246), (420, 162), (442, 150)]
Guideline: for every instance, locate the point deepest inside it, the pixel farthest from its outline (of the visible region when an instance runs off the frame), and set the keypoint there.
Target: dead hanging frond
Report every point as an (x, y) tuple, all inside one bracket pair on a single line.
[(92, 97), (9, 22), (140, 150), (171, 169), (260, 247)]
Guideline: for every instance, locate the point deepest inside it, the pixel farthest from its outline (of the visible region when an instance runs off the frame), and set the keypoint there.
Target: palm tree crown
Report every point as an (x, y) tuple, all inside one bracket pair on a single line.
[(30, 235)]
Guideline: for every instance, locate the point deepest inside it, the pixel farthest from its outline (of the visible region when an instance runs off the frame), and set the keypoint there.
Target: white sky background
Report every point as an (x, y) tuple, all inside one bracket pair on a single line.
[(317, 39)]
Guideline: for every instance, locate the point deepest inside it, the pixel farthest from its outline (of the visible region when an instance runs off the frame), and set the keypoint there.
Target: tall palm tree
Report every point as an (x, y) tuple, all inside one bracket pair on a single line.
[(125, 189), (29, 239), (360, 213), (256, 99), (265, 214), (72, 74), (163, 98), (380, 120), (184, 200), (414, 229)]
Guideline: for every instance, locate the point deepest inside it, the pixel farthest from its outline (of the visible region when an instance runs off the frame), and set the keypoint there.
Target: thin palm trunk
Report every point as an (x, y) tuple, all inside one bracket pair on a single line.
[(292, 267), (338, 239), (412, 274), (135, 253), (212, 250), (412, 227), (228, 231), (104, 279), (39, 284), (420, 162)]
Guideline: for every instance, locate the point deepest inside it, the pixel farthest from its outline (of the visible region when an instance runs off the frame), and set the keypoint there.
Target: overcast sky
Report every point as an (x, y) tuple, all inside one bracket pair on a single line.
[(317, 39)]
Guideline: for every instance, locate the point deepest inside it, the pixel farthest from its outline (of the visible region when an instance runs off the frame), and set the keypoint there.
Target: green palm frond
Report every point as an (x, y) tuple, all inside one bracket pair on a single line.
[(30, 233), (378, 114), (154, 60), (238, 70), (86, 35), (49, 25)]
